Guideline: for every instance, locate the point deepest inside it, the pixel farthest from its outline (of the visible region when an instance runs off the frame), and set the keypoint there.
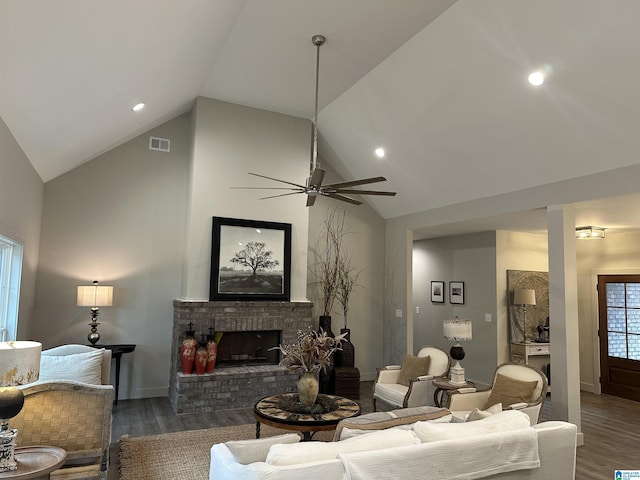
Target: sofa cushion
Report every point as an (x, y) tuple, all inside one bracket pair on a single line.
[(314, 451), (477, 414), (256, 450), (507, 391), (500, 422), (79, 367), (402, 417), (413, 367)]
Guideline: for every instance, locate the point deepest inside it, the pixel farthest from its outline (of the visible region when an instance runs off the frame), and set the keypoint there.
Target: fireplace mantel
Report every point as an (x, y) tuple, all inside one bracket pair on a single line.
[(232, 387)]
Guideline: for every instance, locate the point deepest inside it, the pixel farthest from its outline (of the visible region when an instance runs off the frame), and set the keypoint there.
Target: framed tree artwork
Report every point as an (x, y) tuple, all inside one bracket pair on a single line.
[(437, 292), (250, 260)]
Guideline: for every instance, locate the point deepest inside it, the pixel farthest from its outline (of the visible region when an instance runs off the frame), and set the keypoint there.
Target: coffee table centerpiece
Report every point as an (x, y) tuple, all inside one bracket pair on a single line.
[(311, 353)]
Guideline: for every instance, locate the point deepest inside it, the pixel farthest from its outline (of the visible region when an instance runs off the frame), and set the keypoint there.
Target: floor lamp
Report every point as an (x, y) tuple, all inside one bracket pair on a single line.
[(524, 297)]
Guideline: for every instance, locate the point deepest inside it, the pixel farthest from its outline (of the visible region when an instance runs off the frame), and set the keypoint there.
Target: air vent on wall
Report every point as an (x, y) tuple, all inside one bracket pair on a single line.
[(161, 144)]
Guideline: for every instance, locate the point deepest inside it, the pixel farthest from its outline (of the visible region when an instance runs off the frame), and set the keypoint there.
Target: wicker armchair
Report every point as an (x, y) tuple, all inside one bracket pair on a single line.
[(71, 415)]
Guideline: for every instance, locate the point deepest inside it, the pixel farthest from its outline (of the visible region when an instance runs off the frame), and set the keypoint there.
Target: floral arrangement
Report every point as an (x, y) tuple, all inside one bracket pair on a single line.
[(311, 352)]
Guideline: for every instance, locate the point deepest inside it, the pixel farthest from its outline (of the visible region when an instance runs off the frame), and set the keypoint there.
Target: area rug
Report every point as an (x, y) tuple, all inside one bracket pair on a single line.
[(183, 454)]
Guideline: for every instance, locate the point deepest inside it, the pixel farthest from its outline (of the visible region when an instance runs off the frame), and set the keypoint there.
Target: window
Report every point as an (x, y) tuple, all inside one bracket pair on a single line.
[(10, 271), (623, 320)]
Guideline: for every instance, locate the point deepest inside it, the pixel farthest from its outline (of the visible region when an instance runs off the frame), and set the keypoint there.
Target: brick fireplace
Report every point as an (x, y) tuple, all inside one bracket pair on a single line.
[(246, 372)]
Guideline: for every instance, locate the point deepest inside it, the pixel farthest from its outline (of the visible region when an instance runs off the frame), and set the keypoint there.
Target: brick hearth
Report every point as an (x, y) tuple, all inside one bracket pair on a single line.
[(232, 387)]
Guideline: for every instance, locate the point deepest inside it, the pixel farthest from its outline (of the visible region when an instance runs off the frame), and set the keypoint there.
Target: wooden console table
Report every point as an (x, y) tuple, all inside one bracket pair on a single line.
[(116, 353)]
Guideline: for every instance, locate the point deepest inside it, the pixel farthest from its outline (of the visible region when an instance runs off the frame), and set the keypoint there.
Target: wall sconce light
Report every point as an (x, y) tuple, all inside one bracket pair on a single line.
[(94, 296), (589, 231), (457, 331)]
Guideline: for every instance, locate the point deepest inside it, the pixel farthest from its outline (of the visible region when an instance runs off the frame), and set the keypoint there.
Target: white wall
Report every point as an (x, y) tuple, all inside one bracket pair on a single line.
[(230, 141), (616, 254), (21, 193), (515, 251)]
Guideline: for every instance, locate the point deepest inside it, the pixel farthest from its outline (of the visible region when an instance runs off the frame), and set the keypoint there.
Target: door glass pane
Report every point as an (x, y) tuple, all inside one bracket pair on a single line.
[(615, 319), (617, 345), (633, 321), (615, 294), (633, 295), (634, 347)]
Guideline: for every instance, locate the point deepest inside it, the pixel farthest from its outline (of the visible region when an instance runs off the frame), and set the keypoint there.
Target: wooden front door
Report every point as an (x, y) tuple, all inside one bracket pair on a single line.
[(619, 317)]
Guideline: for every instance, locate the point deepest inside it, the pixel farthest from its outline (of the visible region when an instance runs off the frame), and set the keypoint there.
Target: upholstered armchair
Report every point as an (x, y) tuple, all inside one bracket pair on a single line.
[(515, 386), (69, 407), (414, 390)]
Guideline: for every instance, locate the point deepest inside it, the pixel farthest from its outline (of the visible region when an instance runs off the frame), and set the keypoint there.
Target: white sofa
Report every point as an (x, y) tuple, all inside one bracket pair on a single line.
[(501, 447)]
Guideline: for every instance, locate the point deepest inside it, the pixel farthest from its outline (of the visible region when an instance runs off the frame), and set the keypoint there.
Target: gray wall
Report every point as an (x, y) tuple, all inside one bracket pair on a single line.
[(470, 259), (365, 244), (119, 219), (141, 220), (228, 142), (21, 193)]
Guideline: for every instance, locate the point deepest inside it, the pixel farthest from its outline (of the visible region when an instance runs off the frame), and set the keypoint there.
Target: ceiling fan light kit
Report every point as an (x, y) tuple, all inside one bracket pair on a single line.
[(313, 186)]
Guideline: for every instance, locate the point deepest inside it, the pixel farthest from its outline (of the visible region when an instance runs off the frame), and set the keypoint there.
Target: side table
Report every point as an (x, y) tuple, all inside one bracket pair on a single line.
[(116, 353), (36, 462), (443, 386)]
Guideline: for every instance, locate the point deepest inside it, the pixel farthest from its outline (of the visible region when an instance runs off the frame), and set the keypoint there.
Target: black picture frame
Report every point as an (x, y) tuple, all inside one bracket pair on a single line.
[(456, 293), (234, 280), (437, 291)]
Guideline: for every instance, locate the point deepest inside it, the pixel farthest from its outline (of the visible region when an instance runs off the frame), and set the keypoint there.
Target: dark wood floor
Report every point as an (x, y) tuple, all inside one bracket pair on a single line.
[(609, 424)]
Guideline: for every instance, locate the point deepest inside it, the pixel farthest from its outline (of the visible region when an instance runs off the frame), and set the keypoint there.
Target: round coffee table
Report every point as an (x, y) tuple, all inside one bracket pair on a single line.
[(269, 411)]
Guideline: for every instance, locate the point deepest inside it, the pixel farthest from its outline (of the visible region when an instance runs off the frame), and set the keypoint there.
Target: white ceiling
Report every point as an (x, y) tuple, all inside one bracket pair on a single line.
[(440, 84)]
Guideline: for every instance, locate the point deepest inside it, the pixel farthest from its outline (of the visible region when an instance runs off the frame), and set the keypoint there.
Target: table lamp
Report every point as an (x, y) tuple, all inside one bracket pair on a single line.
[(457, 330), (19, 365), (524, 297), (94, 296)]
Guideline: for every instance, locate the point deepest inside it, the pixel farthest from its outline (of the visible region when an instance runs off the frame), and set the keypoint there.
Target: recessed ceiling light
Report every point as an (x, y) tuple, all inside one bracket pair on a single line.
[(536, 78), (138, 107), (380, 152)]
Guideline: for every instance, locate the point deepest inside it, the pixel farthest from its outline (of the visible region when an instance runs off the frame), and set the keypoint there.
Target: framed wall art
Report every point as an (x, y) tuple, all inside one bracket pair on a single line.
[(250, 260), (437, 292), (456, 292)]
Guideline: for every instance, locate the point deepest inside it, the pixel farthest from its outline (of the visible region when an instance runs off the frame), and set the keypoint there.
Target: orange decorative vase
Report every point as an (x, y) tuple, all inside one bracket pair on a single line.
[(188, 351), (212, 354)]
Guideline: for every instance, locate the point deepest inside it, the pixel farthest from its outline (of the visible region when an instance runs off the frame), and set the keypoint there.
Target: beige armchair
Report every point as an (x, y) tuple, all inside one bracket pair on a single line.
[(419, 391), (515, 386), (70, 414)]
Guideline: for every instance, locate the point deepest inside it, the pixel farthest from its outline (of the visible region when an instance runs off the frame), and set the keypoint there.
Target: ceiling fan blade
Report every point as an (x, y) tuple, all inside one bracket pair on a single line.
[(311, 199), (344, 198), (278, 180), (282, 195), (316, 177), (365, 192), (264, 188), (354, 183)]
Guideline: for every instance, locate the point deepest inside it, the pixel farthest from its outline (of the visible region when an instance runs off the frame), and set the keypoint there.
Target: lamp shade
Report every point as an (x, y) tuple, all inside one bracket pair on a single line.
[(457, 330), (95, 295), (19, 363), (524, 296)]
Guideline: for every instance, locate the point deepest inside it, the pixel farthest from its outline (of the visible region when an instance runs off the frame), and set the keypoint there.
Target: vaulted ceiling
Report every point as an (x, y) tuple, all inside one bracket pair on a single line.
[(440, 84)]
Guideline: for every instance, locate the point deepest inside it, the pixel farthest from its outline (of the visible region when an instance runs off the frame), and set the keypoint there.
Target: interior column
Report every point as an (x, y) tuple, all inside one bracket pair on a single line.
[(563, 314)]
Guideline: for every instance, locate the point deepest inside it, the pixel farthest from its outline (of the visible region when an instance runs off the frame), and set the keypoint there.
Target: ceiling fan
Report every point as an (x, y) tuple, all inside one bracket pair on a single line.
[(313, 186)]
